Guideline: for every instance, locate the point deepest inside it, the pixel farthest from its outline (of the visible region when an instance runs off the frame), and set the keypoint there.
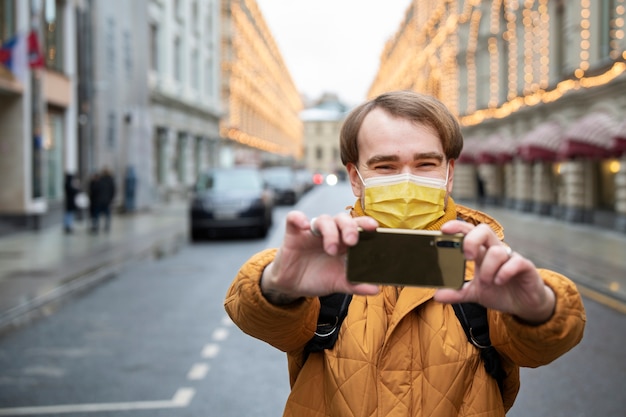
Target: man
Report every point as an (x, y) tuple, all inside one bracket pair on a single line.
[(401, 351)]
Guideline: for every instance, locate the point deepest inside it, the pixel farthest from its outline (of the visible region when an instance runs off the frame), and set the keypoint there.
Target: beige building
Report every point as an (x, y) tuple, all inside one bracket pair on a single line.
[(38, 111), (322, 124), (538, 87)]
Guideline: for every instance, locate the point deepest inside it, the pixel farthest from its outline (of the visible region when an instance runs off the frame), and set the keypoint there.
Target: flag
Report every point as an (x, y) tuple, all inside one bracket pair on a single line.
[(35, 57), (13, 56)]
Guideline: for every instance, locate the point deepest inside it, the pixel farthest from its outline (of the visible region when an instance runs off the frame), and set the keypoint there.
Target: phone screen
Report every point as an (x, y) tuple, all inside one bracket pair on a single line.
[(407, 257)]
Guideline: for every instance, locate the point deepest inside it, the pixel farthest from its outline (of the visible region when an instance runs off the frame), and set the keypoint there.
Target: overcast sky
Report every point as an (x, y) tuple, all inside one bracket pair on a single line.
[(333, 45)]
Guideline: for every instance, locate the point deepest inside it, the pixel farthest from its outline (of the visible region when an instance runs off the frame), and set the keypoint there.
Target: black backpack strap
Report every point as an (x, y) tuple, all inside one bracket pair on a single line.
[(333, 310), (473, 318)]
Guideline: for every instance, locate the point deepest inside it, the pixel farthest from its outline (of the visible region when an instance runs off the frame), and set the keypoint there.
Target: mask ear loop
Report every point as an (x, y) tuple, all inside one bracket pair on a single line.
[(362, 190), (360, 177)]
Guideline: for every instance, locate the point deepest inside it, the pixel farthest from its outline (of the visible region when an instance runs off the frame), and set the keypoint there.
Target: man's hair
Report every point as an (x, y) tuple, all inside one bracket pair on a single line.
[(408, 105)]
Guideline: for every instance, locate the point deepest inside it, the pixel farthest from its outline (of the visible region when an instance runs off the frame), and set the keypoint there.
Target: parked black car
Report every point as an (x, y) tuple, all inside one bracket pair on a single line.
[(283, 181), (227, 199)]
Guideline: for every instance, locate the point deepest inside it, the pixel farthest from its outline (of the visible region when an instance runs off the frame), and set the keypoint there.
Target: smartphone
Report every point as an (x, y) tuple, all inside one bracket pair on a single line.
[(407, 257)]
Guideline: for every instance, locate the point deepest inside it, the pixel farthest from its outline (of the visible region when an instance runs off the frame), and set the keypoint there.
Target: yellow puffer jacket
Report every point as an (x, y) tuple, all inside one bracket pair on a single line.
[(400, 353)]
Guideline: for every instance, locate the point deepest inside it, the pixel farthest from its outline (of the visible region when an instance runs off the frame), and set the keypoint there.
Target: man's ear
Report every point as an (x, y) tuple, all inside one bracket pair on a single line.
[(355, 181), (450, 175)]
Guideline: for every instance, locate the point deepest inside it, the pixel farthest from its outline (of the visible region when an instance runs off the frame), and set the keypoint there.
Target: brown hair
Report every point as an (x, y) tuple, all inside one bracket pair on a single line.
[(409, 105)]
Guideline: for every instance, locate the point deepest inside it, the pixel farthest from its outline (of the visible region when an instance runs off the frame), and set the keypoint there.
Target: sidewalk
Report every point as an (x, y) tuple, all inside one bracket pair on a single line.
[(593, 257), (40, 269)]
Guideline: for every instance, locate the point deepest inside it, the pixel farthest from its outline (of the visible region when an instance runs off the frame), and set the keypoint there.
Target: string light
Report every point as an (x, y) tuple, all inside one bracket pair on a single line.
[(440, 39), (263, 102)]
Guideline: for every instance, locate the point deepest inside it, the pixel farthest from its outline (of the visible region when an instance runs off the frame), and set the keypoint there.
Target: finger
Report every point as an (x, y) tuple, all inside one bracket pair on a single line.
[(296, 221), (349, 227), (457, 226), (363, 289), (479, 236), (452, 296), (328, 230), (492, 261)]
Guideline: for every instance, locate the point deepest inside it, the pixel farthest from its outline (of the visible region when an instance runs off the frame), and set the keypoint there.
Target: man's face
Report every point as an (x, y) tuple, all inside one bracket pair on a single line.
[(390, 145)]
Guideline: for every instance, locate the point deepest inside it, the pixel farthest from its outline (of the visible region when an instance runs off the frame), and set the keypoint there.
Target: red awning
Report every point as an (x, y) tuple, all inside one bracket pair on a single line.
[(470, 150), (495, 149), (589, 137), (618, 146), (541, 143)]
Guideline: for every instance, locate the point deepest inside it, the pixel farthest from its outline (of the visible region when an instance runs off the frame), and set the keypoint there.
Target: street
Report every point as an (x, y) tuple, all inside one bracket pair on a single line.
[(155, 341)]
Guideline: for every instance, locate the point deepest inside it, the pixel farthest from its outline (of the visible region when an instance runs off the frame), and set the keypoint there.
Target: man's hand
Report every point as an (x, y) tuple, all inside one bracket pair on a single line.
[(308, 265), (503, 280)]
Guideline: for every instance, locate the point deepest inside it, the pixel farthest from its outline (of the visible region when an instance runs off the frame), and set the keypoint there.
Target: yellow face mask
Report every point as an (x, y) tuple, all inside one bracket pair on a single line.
[(404, 201)]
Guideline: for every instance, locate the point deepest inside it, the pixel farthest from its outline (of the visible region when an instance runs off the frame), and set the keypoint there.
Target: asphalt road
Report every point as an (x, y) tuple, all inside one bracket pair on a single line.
[(155, 341)]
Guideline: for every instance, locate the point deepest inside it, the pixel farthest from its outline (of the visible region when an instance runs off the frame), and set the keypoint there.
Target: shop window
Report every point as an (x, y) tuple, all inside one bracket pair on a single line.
[(53, 156), (608, 169)]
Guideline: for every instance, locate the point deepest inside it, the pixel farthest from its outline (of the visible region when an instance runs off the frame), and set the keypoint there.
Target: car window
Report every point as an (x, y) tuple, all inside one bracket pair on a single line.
[(230, 180), (279, 176)]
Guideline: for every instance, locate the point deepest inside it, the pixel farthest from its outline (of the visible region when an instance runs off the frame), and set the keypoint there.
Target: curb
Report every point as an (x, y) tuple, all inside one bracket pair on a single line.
[(71, 287)]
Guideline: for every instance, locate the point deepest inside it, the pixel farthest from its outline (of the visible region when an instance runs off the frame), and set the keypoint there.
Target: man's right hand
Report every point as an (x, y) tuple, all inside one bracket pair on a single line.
[(307, 265)]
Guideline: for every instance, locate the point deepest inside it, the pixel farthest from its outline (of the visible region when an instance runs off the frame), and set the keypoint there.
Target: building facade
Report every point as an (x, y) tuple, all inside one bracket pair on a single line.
[(260, 101), (38, 111), (322, 124), (183, 81), (537, 86)]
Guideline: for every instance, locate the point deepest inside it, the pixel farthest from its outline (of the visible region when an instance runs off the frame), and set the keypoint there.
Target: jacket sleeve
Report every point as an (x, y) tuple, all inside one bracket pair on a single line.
[(532, 346), (287, 328)]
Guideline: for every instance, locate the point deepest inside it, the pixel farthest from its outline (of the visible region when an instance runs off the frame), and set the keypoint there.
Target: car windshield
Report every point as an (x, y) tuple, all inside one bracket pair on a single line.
[(230, 180), (279, 176)]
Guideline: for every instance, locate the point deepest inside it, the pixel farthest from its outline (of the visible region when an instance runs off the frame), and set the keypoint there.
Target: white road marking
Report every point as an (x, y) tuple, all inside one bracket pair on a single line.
[(182, 398), (210, 351), (226, 321), (198, 371), (220, 334)]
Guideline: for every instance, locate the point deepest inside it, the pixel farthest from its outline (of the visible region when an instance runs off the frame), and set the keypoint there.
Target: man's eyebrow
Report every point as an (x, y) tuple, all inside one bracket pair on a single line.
[(428, 155), (381, 158)]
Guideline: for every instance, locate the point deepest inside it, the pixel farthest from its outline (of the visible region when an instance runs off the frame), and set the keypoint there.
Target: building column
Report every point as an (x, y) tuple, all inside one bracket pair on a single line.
[(544, 193), (523, 186), (465, 187), (493, 177), (578, 180), (620, 196)]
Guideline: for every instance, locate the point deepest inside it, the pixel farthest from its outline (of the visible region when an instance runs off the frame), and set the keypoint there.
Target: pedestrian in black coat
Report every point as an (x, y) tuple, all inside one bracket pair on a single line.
[(72, 188), (107, 190)]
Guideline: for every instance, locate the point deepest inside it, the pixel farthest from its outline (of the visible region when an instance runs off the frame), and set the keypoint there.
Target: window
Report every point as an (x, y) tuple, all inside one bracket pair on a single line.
[(195, 16), (195, 70), (210, 79), (181, 159), (7, 19), (319, 153), (178, 54), (154, 47), (53, 35)]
